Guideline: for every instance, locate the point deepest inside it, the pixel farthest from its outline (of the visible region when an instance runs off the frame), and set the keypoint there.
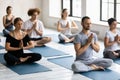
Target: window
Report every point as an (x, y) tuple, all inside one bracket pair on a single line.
[(118, 10), (109, 8), (73, 6)]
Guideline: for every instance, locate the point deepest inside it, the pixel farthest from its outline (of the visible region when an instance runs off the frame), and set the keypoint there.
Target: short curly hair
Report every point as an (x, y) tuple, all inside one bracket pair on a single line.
[(31, 11)]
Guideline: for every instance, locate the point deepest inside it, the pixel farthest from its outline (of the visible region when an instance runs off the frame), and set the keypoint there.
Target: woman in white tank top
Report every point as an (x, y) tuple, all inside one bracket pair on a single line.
[(64, 27)]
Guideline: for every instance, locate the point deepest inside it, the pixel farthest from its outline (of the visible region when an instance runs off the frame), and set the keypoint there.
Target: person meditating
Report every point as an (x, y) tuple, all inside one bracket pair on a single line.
[(8, 21), (35, 28), (85, 43), (65, 26), (16, 42)]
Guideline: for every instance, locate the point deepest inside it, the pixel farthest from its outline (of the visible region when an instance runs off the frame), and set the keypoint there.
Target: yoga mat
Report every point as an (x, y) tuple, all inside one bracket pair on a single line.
[(66, 44), (54, 37), (22, 69), (95, 75), (1, 34), (117, 60), (65, 62), (47, 51), (102, 75), (1, 47)]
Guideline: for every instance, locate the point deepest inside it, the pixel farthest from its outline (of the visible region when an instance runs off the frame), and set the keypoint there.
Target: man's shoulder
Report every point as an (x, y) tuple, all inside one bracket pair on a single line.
[(79, 35)]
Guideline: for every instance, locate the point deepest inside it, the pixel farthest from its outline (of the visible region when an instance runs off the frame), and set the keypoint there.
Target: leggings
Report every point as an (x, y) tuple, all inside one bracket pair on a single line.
[(109, 54), (12, 59)]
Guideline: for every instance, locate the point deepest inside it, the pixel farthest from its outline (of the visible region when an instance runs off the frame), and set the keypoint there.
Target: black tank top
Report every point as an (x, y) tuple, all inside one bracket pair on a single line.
[(9, 27)]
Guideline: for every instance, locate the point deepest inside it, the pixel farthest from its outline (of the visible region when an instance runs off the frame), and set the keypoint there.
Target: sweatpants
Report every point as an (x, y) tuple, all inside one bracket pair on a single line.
[(83, 66), (109, 54), (12, 59)]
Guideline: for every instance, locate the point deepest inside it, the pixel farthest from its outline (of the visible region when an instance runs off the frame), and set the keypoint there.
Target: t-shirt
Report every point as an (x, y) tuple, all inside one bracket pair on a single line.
[(82, 38), (15, 43), (63, 25), (29, 24), (111, 37)]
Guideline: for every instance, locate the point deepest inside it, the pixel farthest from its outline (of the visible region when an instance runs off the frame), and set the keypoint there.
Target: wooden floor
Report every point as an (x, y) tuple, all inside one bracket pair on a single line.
[(57, 73)]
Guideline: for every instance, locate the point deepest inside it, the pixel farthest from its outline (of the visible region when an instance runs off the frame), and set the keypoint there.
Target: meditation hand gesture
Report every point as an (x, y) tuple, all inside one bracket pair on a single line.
[(68, 25), (117, 38), (21, 44), (90, 38), (11, 21), (34, 25), (116, 54)]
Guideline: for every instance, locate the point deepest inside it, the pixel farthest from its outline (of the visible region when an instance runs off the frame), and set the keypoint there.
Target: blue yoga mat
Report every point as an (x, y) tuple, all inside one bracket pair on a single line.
[(22, 69), (66, 44), (1, 47), (102, 75), (47, 51), (54, 37), (65, 62), (95, 75), (117, 61), (1, 34)]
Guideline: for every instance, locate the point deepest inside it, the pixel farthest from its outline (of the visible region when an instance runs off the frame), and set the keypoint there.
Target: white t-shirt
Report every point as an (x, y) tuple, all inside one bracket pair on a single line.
[(63, 25), (29, 24), (111, 37)]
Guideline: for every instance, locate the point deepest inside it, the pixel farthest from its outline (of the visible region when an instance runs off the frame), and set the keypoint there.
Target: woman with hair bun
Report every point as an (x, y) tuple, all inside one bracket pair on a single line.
[(8, 21)]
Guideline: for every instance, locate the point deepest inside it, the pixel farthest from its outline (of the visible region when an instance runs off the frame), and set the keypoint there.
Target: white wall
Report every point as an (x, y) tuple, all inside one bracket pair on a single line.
[(93, 11), (51, 11), (20, 8), (50, 7)]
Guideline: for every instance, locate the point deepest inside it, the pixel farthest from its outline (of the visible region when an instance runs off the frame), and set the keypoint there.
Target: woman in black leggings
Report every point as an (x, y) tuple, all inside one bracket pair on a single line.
[(16, 42)]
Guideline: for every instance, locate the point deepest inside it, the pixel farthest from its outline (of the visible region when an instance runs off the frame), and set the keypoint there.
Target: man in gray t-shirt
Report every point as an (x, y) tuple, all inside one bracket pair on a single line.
[(85, 43), (82, 39)]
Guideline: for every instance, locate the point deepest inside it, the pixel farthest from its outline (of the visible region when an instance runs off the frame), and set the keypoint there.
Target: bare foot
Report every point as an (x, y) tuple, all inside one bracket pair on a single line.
[(69, 40), (24, 59), (116, 54), (95, 67), (38, 44)]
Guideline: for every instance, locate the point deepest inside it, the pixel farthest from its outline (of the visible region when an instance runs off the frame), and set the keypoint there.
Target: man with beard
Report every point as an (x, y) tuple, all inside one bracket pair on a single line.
[(85, 43)]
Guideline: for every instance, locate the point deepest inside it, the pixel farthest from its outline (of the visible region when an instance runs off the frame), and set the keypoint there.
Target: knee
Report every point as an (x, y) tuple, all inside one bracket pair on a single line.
[(75, 68), (49, 39), (38, 56), (6, 56), (109, 62), (8, 60), (79, 68)]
